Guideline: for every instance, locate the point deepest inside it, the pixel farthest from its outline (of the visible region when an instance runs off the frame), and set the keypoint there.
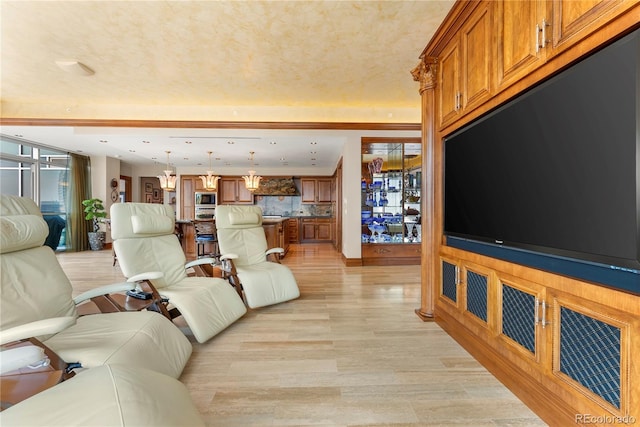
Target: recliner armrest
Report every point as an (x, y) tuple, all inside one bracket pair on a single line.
[(35, 329), (228, 256), (103, 290), (274, 251), (200, 261), (149, 275)]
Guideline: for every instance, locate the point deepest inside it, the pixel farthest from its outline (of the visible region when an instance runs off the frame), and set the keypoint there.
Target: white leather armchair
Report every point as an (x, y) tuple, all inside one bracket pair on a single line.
[(144, 241), (108, 395), (243, 246), (34, 290)]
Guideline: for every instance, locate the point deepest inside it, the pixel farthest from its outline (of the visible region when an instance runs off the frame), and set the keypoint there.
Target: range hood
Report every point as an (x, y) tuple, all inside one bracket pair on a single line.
[(277, 187)]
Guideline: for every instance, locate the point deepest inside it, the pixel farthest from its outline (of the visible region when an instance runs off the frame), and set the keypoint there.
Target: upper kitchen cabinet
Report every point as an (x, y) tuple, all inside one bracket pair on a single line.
[(232, 191), (316, 190), (466, 63)]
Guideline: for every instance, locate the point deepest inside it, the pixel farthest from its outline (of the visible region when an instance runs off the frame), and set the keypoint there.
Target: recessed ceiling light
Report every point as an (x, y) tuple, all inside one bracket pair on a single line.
[(230, 142), (187, 142), (314, 143), (146, 142), (74, 67), (132, 151), (104, 141), (18, 135), (273, 143)]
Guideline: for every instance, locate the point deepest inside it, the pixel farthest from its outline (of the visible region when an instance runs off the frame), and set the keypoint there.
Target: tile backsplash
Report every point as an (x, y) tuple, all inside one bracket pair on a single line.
[(290, 206)]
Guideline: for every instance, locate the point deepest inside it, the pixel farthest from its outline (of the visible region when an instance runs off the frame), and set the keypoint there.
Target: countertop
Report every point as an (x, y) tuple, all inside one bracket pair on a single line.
[(265, 219)]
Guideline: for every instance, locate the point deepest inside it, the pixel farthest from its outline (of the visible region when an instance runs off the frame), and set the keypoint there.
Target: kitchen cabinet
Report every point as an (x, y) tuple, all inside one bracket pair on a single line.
[(466, 64), (232, 191), (293, 225), (315, 230), (188, 187), (316, 190)]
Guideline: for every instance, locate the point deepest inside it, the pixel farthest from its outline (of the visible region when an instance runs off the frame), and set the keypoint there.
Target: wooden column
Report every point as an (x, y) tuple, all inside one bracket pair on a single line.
[(426, 74)]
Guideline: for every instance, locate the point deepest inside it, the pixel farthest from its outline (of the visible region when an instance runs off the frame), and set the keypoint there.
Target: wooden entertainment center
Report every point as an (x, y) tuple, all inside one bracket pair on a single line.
[(564, 346)]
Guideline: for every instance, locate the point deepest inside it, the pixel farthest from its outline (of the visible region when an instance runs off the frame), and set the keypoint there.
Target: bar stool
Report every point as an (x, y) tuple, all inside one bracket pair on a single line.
[(205, 234)]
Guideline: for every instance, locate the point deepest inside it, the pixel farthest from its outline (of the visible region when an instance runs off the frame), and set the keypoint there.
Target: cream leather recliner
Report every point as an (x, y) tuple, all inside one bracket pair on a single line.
[(144, 242), (36, 301), (108, 395), (243, 243)]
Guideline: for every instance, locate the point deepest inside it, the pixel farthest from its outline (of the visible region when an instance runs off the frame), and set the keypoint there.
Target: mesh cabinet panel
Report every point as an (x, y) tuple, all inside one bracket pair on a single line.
[(477, 295), (590, 354), (518, 317), (449, 287)]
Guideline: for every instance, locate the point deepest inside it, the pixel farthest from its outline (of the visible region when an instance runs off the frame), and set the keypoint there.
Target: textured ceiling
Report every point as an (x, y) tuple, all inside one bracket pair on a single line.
[(276, 61)]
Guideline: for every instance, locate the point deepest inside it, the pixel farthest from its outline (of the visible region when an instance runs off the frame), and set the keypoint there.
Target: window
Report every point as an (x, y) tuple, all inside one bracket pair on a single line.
[(30, 170)]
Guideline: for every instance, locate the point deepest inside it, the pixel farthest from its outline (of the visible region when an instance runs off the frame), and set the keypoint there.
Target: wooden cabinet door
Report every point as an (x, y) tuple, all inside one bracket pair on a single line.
[(323, 189), (308, 230), (476, 49), (285, 235), (293, 230), (308, 190), (232, 191), (518, 26), (244, 196), (323, 231), (449, 84), (522, 320), (576, 19), (228, 191), (187, 198), (198, 184)]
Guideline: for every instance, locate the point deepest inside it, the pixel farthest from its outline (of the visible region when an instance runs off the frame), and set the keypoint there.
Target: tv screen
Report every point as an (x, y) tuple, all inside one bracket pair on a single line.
[(556, 170)]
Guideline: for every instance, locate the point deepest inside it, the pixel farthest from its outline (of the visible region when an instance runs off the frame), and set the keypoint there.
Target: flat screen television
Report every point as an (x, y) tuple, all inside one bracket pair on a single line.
[(554, 174)]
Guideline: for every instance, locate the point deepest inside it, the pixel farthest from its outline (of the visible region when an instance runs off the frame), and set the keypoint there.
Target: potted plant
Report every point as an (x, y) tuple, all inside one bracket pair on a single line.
[(94, 210)]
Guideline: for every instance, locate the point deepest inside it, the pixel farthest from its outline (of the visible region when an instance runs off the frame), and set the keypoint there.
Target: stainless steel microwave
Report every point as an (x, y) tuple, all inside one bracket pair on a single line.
[(205, 198)]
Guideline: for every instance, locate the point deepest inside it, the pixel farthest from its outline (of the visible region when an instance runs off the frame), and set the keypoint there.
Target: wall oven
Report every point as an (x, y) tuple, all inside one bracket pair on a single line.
[(205, 206), (205, 199), (205, 213)]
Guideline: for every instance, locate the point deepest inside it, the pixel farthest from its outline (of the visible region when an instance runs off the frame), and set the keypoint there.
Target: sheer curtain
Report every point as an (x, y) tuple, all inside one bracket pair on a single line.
[(79, 190)]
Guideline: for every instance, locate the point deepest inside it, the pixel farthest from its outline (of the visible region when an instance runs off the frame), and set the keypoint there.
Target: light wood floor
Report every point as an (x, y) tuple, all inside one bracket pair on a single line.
[(349, 352)]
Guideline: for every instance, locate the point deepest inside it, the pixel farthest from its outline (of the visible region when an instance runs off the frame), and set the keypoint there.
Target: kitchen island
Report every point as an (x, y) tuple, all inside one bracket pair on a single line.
[(276, 231)]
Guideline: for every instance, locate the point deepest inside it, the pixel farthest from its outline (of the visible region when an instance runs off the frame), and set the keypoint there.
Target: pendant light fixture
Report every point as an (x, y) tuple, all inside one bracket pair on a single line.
[(252, 181), (210, 182), (168, 181)]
